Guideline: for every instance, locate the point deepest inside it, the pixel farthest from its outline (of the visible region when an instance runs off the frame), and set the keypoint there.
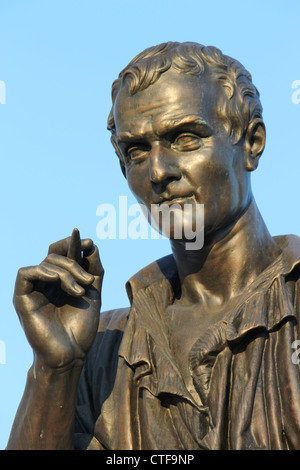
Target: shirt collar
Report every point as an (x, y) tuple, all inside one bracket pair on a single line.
[(264, 304), (145, 343)]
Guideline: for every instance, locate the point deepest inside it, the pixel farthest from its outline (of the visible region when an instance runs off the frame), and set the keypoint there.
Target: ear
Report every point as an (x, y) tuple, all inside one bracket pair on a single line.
[(121, 161), (255, 140)]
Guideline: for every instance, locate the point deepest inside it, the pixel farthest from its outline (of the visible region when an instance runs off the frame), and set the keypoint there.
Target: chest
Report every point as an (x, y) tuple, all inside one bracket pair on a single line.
[(185, 327)]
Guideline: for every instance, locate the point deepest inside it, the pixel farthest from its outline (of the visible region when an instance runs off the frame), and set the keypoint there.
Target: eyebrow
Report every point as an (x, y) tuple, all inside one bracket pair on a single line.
[(166, 126)]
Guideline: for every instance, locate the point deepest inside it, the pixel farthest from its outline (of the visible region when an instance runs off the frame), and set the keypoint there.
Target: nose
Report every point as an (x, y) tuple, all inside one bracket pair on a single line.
[(163, 168)]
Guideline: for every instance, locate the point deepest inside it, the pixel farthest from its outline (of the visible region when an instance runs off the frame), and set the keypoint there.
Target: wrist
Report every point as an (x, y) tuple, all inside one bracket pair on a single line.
[(40, 368)]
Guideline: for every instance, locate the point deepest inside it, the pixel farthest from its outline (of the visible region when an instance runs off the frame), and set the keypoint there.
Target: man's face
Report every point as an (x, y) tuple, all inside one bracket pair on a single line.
[(176, 149)]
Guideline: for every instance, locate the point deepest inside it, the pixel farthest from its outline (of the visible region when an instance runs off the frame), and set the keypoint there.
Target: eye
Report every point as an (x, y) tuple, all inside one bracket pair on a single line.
[(187, 142), (137, 152)]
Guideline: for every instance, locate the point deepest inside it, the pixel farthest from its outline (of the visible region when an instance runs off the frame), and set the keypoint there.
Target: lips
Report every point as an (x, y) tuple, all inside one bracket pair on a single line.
[(175, 200)]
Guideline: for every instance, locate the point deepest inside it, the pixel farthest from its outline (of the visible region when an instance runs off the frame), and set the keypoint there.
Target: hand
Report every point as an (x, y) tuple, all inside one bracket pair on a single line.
[(58, 302)]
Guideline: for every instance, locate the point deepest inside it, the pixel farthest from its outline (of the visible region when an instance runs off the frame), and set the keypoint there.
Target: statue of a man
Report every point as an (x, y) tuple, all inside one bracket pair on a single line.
[(203, 357)]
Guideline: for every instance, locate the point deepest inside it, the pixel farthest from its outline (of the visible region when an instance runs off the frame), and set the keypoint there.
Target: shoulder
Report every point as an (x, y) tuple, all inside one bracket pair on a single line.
[(113, 319), (163, 269), (106, 344), (102, 358)]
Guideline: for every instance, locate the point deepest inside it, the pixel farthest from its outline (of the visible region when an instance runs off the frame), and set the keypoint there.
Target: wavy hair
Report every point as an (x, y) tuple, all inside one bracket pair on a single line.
[(236, 112)]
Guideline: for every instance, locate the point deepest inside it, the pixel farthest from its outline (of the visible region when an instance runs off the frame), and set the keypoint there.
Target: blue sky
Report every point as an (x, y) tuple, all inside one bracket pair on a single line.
[(58, 59)]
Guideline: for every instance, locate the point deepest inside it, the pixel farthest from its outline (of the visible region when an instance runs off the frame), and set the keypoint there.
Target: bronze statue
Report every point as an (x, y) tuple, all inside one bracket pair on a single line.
[(203, 357)]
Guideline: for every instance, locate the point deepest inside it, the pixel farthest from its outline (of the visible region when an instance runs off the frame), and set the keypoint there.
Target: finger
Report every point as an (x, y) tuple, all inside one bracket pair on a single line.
[(91, 261), (62, 246), (70, 265), (28, 276), (67, 281), (74, 250)]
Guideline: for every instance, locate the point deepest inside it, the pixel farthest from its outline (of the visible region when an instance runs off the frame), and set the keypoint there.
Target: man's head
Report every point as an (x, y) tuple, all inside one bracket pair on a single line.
[(242, 104), (186, 122)]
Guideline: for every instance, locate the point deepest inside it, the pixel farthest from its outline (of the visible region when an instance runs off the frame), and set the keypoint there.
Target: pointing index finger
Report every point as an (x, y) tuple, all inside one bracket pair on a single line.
[(74, 250)]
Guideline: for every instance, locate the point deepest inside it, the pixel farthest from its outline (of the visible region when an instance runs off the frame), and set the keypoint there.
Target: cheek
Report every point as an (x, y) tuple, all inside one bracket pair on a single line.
[(216, 186), (212, 178), (139, 183)]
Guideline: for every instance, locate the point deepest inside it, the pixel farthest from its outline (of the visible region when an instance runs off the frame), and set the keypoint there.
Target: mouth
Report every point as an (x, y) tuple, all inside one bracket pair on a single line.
[(188, 199)]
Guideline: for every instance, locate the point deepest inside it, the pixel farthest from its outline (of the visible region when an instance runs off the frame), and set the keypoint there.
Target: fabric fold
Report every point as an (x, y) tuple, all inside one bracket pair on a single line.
[(242, 368)]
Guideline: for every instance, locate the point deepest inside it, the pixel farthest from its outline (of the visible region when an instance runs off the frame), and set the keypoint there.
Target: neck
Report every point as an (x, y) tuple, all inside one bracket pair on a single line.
[(228, 262)]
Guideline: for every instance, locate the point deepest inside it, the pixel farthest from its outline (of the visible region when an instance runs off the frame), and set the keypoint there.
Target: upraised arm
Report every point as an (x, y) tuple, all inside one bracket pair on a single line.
[(58, 304)]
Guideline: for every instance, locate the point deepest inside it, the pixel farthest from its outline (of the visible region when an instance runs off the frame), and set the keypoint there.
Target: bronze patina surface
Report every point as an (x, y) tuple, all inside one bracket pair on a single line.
[(202, 359)]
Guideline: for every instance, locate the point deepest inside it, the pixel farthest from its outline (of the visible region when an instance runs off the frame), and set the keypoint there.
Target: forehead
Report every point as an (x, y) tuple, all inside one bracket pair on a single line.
[(174, 96)]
